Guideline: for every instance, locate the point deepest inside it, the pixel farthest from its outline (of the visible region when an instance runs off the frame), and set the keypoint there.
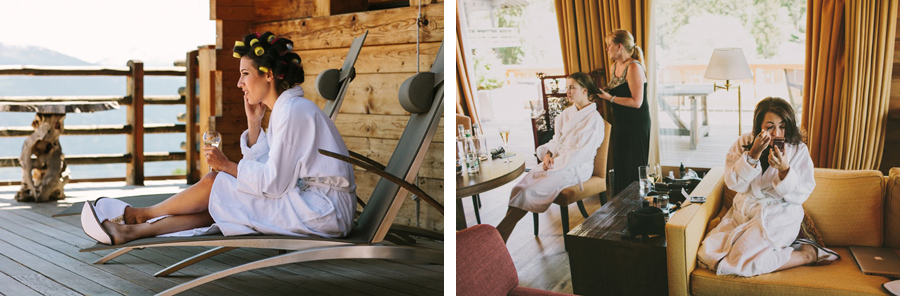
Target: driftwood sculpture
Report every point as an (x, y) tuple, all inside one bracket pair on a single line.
[(43, 179)]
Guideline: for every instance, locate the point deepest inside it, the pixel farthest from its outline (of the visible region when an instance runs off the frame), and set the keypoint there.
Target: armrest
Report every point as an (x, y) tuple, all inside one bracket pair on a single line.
[(366, 160), (687, 228), (394, 179)]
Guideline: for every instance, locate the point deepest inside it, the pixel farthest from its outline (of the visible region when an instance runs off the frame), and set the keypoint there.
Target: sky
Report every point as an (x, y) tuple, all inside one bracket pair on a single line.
[(108, 32)]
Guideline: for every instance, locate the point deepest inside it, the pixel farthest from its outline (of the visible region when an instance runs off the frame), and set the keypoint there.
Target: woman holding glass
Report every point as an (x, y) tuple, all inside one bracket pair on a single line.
[(281, 186), (567, 159), (631, 116), (772, 173)]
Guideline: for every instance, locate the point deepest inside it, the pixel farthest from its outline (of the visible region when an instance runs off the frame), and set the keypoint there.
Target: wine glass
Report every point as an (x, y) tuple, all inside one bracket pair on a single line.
[(212, 138), (504, 135)]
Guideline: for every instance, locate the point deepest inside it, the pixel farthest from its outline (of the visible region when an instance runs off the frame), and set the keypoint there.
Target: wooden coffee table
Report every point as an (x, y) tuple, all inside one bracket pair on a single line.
[(602, 261)]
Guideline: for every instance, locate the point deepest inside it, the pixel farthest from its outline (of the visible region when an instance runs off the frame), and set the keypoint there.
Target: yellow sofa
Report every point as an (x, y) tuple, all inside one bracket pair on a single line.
[(847, 207)]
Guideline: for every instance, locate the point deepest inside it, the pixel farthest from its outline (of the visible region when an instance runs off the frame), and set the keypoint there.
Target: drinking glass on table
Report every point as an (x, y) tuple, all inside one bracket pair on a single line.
[(212, 138), (644, 177), (504, 134)]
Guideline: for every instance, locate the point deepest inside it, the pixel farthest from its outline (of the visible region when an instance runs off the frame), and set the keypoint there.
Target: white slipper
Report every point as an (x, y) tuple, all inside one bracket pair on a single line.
[(892, 287), (92, 226), (110, 209)]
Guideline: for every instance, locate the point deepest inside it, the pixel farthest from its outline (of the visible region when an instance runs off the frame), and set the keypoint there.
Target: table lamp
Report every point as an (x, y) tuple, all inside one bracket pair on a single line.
[(728, 64)]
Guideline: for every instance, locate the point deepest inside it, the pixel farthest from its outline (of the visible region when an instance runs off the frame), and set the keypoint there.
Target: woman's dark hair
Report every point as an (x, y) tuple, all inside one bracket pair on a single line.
[(270, 53), (586, 82), (783, 109)]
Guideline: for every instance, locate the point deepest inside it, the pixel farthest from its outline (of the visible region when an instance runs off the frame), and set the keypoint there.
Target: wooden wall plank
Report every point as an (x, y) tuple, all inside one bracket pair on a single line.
[(231, 10), (390, 26), (429, 217), (227, 33), (380, 150), (367, 94), (399, 58), (378, 126), (286, 9)]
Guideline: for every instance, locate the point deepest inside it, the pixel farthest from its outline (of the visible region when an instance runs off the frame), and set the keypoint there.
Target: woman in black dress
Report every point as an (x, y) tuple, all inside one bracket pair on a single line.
[(627, 93)]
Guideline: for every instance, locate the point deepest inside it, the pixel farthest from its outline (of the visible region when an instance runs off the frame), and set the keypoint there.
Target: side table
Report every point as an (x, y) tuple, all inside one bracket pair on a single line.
[(603, 262)]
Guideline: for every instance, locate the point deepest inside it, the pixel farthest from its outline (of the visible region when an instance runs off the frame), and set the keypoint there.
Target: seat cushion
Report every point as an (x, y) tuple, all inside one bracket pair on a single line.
[(848, 207), (593, 186), (840, 278)]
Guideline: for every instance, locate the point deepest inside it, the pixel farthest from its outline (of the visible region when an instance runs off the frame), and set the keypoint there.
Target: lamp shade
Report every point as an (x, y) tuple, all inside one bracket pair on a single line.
[(728, 64)]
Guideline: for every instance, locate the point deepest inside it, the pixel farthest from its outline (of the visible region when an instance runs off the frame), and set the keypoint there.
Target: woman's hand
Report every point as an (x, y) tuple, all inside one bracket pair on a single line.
[(218, 161), (547, 162), (777, 161), (604, 95), (762, 141), (255, 113)]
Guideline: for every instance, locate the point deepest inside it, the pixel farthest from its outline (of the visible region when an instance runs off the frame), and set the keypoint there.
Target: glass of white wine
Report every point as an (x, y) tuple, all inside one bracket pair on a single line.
[(212, 138), (504, 135)]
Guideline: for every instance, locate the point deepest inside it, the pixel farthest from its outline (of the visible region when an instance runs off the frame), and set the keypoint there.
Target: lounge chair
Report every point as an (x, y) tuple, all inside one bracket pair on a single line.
[(365, 240)]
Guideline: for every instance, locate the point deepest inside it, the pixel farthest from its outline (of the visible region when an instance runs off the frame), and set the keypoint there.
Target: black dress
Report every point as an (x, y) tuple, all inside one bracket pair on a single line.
[(630, 133)]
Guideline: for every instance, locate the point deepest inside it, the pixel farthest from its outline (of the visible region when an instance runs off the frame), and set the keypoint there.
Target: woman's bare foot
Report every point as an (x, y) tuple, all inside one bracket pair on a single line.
[(810, 254), (117, 232)]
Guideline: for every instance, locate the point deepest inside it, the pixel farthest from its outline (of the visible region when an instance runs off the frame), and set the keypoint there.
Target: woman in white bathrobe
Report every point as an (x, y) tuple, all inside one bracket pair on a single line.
[(758, 234), (282, 185), (568, 159)]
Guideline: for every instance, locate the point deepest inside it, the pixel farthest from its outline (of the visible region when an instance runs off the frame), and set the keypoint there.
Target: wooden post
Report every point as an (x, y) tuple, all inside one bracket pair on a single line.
[(191, 153), (134, 172)]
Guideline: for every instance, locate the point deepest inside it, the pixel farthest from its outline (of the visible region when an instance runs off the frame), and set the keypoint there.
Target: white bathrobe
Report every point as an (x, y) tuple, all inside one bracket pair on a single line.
[(577, 135), (754, 236), (266, 196)]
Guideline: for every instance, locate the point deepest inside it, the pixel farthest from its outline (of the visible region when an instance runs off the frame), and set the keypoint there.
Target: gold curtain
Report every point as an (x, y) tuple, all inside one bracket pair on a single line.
[(465, 102), (583, 24), (850, 49)]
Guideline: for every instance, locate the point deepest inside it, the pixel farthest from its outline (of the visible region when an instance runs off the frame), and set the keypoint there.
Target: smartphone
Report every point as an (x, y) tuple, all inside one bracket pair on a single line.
[(779, 142)]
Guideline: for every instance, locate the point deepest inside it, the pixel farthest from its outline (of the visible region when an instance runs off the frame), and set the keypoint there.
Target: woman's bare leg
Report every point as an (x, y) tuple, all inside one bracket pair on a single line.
[(123, 233), (513, 215), (194, 199), (806, 255)]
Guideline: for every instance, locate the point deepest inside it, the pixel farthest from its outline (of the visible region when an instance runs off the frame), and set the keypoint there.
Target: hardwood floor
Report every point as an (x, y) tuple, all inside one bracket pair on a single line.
[(541, 261), (39, 256)]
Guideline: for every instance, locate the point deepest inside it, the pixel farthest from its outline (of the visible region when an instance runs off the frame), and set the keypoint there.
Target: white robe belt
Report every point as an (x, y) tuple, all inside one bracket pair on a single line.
[(304, 183)]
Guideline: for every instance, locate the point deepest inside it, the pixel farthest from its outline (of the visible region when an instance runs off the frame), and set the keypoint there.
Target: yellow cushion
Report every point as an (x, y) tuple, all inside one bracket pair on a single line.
[(892, 210), (848, 207), (840, 278)]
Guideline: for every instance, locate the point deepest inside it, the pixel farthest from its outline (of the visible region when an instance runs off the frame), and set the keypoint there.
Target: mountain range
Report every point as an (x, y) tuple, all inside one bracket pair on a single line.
[(33, 55)]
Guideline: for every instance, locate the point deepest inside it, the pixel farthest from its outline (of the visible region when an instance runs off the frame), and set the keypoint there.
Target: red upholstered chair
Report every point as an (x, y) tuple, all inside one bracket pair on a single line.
[(484, 267)]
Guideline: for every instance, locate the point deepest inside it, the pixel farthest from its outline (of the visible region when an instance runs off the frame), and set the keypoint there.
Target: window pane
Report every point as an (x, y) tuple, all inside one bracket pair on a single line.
[(772, 35)]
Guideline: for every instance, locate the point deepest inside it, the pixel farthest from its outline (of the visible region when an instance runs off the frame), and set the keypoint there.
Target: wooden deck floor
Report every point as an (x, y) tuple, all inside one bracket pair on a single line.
[(39, 256)]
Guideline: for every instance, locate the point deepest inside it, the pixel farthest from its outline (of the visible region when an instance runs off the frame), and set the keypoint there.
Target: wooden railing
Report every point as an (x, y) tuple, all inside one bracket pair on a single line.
[(134, 129)]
